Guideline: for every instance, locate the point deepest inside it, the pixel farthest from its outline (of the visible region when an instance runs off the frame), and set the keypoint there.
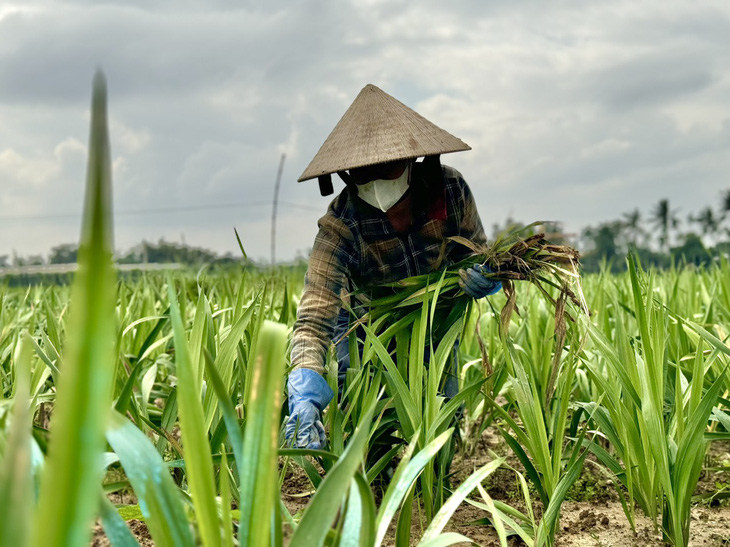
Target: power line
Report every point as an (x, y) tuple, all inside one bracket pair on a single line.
[(180, 209)]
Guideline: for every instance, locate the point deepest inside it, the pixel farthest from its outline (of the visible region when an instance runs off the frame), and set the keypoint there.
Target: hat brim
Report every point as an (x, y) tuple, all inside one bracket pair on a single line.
[(378, 128)]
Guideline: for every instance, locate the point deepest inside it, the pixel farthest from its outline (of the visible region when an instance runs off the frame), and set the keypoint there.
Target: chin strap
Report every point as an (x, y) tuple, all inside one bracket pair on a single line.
[(432, 169), (345, 176), (432, 174), (434, 177), (325, 185)]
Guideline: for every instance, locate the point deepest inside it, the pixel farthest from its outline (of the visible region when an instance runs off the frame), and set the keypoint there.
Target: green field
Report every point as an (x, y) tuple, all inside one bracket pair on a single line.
[(639, 389)]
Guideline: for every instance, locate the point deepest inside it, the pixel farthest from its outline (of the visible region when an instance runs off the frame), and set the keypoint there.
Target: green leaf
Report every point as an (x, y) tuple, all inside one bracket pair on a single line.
[(127, 393), (324, 506), (359, 526), (447, 509), (130, 512), (72, 475), (225, 488), (159, 498), (198, 464), (404, 400), (240, 245), (444, 540), (228, 410), (496, 515), (223, 364), (404, 477), (15, 468), (115, 528), (548, 524), (259, 472)]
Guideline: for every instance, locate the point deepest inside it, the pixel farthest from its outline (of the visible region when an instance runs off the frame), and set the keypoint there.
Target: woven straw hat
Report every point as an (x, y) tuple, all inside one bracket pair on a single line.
[(375, 129)]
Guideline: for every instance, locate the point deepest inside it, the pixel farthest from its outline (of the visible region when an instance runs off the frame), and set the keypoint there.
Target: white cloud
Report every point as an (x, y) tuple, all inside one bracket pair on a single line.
[(37, 177), (576, 111)]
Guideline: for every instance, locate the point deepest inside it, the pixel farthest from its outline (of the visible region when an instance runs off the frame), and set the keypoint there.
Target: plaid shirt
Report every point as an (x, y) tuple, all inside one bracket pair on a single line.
[(357, 246)]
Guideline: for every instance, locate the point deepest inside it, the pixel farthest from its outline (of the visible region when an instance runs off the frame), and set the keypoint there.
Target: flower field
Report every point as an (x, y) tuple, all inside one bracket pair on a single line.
[(160, 398)]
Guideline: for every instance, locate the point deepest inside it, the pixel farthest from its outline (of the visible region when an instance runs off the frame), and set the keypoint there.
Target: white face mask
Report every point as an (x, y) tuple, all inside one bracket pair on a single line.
[(383, 193)]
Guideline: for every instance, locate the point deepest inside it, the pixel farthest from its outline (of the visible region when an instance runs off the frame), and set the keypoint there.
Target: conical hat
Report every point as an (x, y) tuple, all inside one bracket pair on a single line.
[(375, 129)]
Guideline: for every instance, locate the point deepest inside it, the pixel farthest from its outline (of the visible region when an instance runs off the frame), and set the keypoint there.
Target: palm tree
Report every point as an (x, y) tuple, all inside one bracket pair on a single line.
[(632, 225), (725, 208), (707, 221), (602, 239), (664, 219), (725, 203)]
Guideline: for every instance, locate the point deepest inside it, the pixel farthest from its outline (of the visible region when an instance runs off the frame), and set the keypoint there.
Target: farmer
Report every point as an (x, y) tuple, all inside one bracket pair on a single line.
[(391, 221)]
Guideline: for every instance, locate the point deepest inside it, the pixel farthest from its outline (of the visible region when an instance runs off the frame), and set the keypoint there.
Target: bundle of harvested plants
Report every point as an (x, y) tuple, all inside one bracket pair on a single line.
[(512, 257)]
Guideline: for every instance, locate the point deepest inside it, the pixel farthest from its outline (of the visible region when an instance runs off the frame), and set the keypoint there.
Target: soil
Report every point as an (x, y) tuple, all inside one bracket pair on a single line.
[(584, 524), (591, 517), (137, 527)]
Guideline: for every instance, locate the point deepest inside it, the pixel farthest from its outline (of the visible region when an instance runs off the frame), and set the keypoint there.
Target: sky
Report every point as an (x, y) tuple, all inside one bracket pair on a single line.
[(576, 111)]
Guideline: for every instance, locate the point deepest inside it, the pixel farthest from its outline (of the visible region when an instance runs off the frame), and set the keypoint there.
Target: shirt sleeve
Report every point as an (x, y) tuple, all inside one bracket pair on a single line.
[(321, 302), (469, 222)]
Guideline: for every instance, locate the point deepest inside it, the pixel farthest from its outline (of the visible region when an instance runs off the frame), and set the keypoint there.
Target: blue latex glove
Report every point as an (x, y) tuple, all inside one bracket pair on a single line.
[(474, 284), (309, 395)]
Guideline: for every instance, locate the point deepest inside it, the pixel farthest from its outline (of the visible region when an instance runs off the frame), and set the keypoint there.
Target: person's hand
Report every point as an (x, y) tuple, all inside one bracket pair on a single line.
[(309, 395), (474, 284), (304, 428)]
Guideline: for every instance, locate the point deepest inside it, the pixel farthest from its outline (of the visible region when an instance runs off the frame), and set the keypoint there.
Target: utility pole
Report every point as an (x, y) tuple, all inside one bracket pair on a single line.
[(273, 213)]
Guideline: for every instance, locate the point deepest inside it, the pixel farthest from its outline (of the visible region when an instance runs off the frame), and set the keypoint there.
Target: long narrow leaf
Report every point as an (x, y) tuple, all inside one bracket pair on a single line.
[(199, 464), (68, 491), (403, 479), (259, 472), (158, 496), (323, 507), (15, 469), (447, 510), (115, 528)]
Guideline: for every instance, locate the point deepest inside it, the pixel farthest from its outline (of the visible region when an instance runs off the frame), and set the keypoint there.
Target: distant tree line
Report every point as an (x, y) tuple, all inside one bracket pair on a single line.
[(160, 252), (660, 238)]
